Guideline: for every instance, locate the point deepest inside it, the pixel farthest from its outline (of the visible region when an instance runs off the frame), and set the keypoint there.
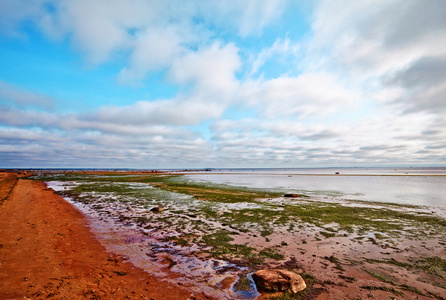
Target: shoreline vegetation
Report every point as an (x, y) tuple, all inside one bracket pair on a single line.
[(210, 237)]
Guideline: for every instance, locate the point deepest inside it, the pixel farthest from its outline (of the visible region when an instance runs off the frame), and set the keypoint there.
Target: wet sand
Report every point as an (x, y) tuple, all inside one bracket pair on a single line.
[(47, 251)]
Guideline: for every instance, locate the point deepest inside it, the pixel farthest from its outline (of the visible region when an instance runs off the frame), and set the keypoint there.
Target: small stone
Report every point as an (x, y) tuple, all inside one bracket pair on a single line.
[(157, 209)]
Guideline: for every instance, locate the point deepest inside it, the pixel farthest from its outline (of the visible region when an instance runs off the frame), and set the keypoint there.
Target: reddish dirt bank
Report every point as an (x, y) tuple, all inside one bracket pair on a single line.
[(46, 251), (7, 182)]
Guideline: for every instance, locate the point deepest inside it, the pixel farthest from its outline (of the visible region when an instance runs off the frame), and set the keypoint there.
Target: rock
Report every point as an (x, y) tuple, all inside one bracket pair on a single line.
[(291, 195), (278, 280), (157, 209)]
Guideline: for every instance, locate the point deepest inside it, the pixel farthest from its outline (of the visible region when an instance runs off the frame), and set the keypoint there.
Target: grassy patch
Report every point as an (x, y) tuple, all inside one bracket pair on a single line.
[(336, 261), (380, 276), (182, 241), (394, 262), (243, 284), (327, 234), (383, 288), (411, 289), (433, 265), (221, 248), (209, 192), (348, 278), (266, 232), (365, 220), (270, 253)]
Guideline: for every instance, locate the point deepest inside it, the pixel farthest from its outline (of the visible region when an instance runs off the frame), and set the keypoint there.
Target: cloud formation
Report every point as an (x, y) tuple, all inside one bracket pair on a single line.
[(363, 85), (15, 96)]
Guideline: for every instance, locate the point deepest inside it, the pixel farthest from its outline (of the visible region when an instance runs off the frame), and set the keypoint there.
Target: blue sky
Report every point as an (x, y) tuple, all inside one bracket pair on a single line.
[(193, 84)]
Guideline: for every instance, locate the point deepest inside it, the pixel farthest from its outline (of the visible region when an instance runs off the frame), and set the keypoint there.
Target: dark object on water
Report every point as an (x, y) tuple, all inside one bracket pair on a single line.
[(337, 173), (292, 195)]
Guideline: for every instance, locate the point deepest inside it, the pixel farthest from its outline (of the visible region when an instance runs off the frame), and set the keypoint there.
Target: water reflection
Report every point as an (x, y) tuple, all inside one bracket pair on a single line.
[(429, 189)]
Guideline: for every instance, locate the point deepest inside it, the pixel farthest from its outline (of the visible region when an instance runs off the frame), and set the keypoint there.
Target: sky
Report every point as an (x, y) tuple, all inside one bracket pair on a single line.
[(222, 84)]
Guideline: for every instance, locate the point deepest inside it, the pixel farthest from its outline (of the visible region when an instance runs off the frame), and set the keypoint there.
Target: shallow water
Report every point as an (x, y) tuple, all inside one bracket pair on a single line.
[(420, 186)]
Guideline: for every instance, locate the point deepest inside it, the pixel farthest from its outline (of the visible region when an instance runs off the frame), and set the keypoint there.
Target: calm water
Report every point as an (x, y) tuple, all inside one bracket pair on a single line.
[(417, 186)]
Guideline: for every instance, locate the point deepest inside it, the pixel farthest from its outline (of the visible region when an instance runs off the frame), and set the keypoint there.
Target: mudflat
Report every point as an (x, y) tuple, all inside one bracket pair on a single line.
[(47, 251)]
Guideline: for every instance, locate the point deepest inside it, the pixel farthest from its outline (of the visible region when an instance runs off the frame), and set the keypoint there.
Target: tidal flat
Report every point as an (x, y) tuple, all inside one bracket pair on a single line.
[(212, 236)]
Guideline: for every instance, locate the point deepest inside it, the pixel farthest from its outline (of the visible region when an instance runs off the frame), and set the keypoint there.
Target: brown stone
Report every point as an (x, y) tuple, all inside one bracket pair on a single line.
[(278, 280), (157, 209), (291, 195)]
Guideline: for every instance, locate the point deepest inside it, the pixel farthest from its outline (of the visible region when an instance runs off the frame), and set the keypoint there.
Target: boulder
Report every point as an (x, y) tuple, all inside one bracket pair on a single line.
[(278, 280), (157, 209)]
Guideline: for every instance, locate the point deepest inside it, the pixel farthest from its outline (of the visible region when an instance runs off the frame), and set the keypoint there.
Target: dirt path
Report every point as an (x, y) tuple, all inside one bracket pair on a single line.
[(46, 251)]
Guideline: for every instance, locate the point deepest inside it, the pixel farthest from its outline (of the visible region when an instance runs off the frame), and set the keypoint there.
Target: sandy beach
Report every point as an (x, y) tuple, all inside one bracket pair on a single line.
[(47, 251)]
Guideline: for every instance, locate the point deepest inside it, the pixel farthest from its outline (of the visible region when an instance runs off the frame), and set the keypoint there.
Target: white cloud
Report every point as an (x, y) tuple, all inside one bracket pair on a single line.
[(16, 96), (151, 31), (172, 112), (371, 38), (211, 70), (281, 48), (14, 12), (247, 17), (423, 86), (155, 49), (308, 94)]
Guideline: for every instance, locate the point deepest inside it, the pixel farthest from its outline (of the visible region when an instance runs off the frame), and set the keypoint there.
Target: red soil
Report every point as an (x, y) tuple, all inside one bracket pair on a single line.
[(47, 251)]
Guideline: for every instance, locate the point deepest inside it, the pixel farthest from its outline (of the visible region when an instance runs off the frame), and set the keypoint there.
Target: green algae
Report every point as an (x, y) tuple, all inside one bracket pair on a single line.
[(243, 284), (383, 288), (380, 276), (348, 218)]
